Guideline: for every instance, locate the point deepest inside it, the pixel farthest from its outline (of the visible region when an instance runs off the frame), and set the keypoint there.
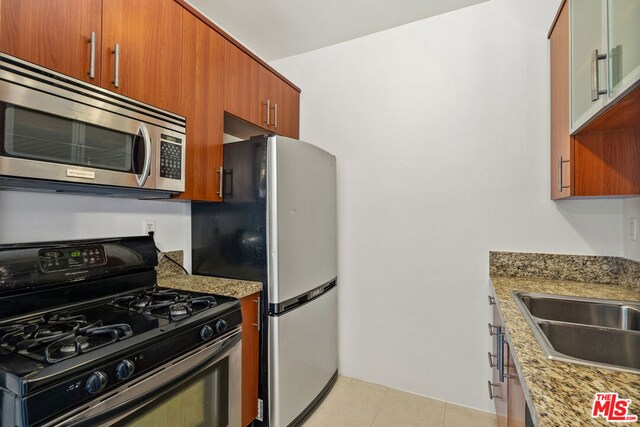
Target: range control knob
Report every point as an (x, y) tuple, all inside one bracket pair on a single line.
[(220, 326), (124, 369), (206, 332), (96, 382)]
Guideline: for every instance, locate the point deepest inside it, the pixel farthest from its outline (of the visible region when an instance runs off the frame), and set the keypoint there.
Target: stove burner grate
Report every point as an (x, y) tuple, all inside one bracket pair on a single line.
[(168, 304), (59, 337)]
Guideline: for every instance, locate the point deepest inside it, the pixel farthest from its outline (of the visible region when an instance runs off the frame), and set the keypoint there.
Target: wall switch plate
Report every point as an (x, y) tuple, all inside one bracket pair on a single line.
[(633, 229), (149, 226)]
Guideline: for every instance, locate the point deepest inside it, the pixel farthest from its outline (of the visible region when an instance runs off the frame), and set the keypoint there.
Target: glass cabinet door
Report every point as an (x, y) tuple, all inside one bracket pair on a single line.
[(624, 44), (588, 34)]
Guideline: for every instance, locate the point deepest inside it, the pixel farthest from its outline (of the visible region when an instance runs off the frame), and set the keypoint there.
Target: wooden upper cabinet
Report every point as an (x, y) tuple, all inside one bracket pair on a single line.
[(202, 105), (256, 95), (241, 85), (561, 141), (288, 99), (53, 33), (148, 34), (601, 155)]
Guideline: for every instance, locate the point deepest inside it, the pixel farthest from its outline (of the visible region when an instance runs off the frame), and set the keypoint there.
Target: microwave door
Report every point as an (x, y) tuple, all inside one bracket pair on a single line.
[(46, 146)]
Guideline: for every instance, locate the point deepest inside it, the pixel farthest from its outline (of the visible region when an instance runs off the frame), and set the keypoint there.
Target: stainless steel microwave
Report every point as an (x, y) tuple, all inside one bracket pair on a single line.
[(59, 133)]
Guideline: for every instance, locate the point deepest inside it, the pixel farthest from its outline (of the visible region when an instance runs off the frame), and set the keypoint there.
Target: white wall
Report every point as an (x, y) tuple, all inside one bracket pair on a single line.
[(27, 217), (631, 209), (441, 130)]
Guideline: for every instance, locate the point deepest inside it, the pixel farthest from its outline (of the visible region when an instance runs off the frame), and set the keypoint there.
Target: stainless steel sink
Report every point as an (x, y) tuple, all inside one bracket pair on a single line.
[(605, 313), (594, 332)]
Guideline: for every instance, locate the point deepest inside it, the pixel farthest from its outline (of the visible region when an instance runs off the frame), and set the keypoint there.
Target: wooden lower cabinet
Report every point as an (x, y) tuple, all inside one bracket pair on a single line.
[(505, 389), (516, 403), (250, 354)]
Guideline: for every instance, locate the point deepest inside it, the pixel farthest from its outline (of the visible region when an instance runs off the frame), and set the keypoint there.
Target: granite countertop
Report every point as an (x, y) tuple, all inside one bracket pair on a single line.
[(171, 275), (211, 285), (560, 393)]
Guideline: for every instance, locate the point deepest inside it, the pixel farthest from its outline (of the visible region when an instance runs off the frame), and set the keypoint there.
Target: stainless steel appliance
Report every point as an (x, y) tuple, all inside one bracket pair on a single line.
[(277, 225), (86, 338), (60, 133)]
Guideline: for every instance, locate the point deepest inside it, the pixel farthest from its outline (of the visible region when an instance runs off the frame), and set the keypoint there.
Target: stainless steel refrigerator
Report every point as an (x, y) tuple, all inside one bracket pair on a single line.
[(277, 225)]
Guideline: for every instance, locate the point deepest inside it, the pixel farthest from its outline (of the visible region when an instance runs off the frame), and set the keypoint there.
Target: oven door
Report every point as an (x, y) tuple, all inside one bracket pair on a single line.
[(202, 389)]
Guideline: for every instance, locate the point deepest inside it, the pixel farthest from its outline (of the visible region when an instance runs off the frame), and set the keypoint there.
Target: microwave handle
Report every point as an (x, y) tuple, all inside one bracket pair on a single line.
[(142, 178)]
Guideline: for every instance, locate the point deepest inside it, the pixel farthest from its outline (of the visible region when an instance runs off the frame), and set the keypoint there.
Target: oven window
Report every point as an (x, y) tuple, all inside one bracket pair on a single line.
[(201, 402), (30, 134)]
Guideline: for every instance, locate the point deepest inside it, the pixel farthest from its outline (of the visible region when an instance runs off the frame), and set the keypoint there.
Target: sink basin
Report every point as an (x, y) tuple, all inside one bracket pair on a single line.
[(608, 314), (612, 347), (594, 332)]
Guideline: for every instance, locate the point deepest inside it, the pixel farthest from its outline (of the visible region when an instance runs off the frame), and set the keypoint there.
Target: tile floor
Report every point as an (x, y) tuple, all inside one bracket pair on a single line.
[(353, 403)]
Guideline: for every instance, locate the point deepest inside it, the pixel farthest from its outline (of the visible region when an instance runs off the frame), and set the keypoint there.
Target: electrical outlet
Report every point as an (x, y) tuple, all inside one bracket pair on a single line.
[(633, 229), (149, 226)]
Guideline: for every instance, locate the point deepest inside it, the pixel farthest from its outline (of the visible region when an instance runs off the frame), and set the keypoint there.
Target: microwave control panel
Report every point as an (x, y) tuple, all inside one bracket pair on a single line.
[(170, 157)]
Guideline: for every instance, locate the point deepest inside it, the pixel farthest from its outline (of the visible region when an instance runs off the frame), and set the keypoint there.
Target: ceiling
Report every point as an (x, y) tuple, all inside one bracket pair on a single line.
[(276, 29)]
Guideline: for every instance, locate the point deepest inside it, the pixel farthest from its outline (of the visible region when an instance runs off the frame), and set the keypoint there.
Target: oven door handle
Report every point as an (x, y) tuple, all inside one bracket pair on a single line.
[(129, 398), (142, 178)]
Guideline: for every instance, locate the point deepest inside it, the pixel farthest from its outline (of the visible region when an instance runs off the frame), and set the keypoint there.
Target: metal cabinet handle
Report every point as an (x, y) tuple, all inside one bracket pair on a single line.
[(92, 55), (257, 324), (500, 356), (275, 116), (116, 75), (220, 187), (491, 357), (492, 300), (491, 395), (561, 186), (595, 75), (268, 105), (491, 328)]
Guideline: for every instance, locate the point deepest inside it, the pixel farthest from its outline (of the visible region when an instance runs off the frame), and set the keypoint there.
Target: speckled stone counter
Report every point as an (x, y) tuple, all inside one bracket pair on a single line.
[(560, 393), (211, 285), (171, 275)]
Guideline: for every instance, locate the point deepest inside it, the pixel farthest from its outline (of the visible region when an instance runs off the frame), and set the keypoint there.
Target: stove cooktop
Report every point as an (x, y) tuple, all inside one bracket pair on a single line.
[(60, 335)]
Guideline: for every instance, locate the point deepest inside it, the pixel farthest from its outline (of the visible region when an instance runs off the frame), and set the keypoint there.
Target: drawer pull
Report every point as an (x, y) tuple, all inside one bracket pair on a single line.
[(491, 395)]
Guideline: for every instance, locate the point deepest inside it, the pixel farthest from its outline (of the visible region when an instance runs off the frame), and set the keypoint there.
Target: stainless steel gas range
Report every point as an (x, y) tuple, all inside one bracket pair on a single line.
[(86, 338)]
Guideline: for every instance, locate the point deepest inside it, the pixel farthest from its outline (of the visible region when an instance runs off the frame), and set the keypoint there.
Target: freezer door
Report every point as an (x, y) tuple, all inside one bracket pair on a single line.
[(301, 186), (303, 356)]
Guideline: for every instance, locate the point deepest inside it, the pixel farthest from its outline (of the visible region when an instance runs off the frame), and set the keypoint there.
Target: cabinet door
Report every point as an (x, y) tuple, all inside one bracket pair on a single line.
[(624, 44), (202, 97), (588, 74), (499, 388), (250, 344), (54, 33), (148, 34), (267, 94), (561, 141), (517, 405), (288, 118), (241, 85)]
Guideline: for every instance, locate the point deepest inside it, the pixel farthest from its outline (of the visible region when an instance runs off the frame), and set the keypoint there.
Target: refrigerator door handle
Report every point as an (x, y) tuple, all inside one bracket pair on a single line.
[(278, 309)]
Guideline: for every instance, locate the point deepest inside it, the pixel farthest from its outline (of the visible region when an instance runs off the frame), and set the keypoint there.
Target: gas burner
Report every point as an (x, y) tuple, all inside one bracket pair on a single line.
[(59, 337), (141, 301), (168, 304), (69, 347)]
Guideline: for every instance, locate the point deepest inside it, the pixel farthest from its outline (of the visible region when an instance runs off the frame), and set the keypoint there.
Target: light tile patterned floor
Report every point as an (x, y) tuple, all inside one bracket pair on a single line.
[(353, 403)]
